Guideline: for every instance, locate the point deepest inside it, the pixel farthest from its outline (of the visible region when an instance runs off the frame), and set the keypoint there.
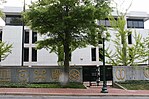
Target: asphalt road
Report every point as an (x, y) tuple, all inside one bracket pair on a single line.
[(72, 97)]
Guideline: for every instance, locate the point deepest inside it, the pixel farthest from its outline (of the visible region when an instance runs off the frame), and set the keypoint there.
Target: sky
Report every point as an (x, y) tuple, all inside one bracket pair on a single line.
[(136, 5)]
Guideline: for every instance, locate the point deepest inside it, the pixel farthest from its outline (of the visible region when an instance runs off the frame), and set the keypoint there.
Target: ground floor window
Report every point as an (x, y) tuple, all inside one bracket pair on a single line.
[(34, 55)]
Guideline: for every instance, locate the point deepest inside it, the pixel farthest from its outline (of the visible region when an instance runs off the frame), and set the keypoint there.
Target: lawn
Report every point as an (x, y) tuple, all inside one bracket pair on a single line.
[(135, 85), (41, 85)]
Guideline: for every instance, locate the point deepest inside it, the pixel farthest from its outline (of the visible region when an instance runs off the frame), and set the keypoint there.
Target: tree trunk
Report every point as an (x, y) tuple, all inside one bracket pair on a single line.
[(66, 63), (66, 50), (124, 50)]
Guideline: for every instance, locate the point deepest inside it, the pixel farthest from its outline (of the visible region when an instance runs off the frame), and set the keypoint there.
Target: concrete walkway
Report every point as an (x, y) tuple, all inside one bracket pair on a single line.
[(90, 91)]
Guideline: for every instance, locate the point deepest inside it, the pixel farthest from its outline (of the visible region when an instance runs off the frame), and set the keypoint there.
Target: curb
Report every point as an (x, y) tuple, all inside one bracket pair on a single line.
[(59, 94)]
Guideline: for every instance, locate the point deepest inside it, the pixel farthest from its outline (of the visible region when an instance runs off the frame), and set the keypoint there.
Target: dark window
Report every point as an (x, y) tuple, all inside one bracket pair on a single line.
[(13, 20), (105, 22), (129, 38), (26, 37), (0, 35), (34, 55), (93, 52), (100, 54), (129, 24), (34, 37), (26, 54), (135, 23), (141, 24)]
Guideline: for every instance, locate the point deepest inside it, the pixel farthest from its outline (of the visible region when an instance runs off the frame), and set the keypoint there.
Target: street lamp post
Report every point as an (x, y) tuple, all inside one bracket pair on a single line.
[(22, 62), (104, 88)]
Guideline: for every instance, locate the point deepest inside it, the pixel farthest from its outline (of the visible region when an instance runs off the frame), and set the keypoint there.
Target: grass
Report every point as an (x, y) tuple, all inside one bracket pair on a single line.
[(41, 85), (135, 85)]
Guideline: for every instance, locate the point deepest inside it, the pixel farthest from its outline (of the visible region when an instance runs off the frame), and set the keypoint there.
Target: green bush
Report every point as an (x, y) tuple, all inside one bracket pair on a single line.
[(135, 85), (41, 85)]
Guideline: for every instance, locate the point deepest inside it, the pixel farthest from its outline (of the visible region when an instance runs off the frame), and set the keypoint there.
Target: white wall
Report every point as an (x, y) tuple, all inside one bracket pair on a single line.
[(13, 35)]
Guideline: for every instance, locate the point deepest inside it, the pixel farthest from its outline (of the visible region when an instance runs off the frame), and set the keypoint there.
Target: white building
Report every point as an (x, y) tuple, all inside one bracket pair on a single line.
[(89, 56)]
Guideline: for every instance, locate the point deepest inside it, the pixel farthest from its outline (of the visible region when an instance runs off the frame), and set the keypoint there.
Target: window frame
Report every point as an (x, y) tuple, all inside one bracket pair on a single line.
[(135, 23), (93, 54), (20, 23)]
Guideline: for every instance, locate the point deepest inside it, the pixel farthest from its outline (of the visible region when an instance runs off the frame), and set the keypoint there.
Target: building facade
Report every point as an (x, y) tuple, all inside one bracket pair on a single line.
[(89, 56)]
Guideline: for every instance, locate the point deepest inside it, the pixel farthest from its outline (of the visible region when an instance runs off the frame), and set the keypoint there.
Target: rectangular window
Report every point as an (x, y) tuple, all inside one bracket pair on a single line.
[(26, 33), (100, 54), (34, 37), (93, 52), (15, 20), (129, 24), (0, 35), (34, 55), (141, 24), (26, 54), (135, 23), (129, 38)]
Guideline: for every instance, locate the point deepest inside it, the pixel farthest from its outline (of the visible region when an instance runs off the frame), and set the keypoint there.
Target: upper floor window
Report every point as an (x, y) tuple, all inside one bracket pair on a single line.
[(135, 23), (0, 35), (15, 20), (30, 37), (129, 39), (26, 33), (93, 54), (105, 22), (34, 37)]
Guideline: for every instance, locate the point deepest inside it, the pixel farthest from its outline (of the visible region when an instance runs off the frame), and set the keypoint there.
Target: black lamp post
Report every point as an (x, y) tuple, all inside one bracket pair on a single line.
[(22, 62), (104, 88)]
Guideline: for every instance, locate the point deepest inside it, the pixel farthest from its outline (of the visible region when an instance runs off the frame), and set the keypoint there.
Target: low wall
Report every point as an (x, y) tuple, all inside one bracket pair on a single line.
[(38, 74), (123, 73)]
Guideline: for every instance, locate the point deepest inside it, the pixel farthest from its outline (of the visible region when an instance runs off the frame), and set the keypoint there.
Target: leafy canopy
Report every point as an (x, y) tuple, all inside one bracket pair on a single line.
[(124, 54), (54, 18)]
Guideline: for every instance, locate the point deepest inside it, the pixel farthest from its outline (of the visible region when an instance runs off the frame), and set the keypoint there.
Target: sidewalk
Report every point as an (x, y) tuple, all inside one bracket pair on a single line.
[(90, 91)]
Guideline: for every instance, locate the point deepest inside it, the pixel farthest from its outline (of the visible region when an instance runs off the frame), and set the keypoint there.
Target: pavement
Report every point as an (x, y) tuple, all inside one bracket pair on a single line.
[(89, 91)]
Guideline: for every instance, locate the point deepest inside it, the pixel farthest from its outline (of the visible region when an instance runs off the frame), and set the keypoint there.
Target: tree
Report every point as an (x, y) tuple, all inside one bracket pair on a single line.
[(68, 24), (124, 54), (5, 48)]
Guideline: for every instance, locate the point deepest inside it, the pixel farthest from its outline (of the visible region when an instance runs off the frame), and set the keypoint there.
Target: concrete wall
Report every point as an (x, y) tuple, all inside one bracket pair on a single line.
[(123, 73), (38, 74)]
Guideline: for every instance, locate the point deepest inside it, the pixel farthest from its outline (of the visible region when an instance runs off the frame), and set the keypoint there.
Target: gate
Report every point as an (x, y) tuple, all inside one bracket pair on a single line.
[(90, 73)]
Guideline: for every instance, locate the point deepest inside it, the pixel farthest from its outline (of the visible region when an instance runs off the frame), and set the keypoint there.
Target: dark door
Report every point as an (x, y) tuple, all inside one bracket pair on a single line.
[(89, 73), (109, 76)]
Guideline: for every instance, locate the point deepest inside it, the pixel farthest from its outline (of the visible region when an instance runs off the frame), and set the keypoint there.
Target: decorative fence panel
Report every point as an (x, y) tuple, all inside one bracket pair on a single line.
[(38, 74), (123, 73)]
